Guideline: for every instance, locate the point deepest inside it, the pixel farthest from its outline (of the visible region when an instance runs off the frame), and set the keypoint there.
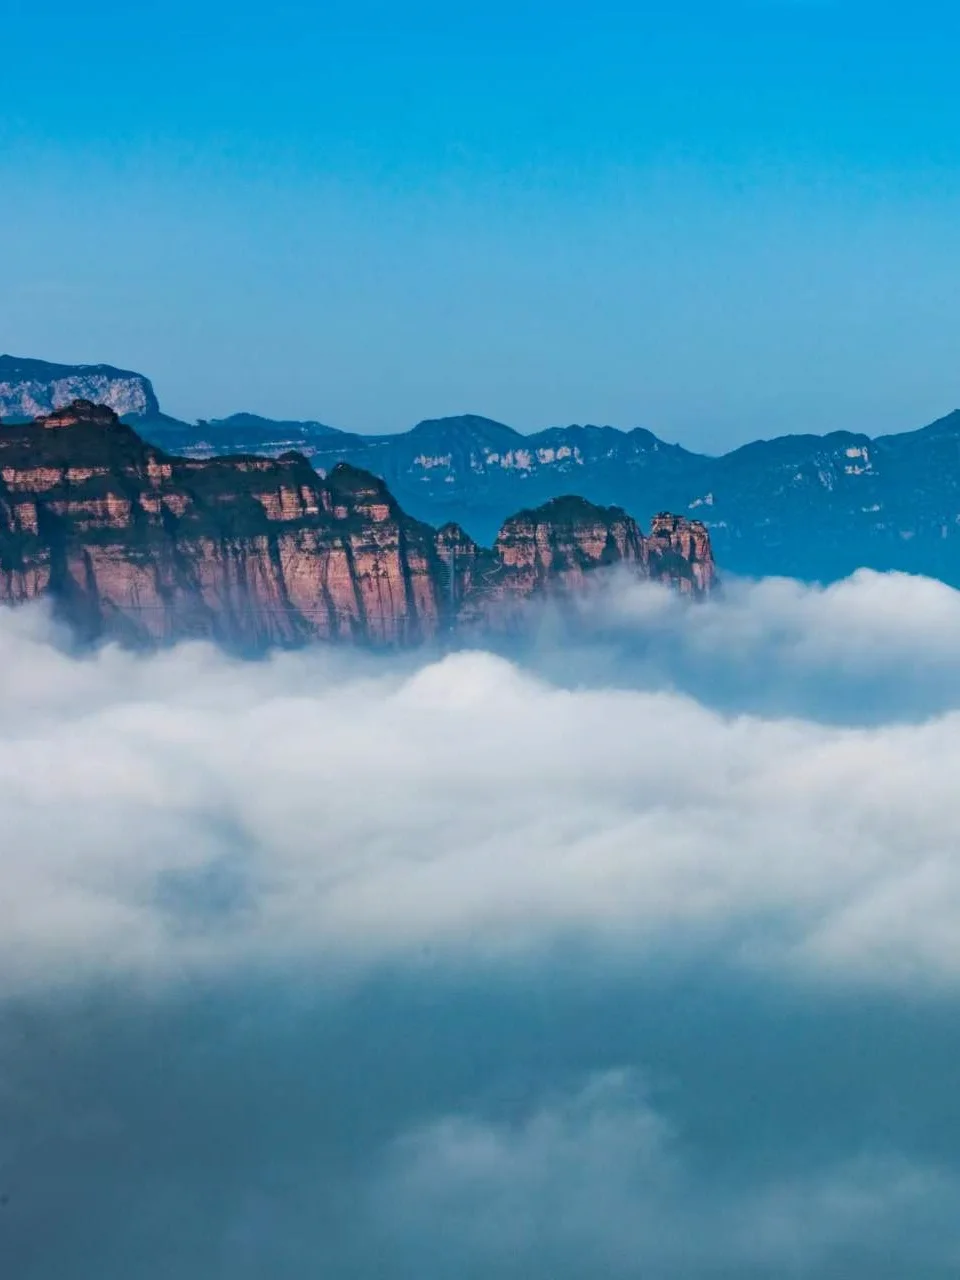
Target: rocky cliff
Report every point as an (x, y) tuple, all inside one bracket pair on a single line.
[(32, 387), (133, 542)]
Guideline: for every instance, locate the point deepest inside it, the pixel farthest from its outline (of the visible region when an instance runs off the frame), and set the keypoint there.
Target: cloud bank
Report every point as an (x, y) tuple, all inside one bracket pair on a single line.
[(631, 951), (867, 650), (183, 811)]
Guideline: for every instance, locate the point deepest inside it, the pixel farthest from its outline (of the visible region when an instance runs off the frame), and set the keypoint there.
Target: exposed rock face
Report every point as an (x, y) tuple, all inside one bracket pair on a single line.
[(679, 549), (32, 387), (256, 551)]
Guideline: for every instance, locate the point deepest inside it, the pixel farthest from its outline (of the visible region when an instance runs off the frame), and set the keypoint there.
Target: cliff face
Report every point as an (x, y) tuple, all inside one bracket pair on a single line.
[(32, 387), (255, 551), (679, 549)]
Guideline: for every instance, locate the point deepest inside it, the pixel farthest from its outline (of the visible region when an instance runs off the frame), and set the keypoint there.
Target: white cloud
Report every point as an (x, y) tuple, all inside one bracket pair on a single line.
[(870, 648), (597, 1181), (187, 811)]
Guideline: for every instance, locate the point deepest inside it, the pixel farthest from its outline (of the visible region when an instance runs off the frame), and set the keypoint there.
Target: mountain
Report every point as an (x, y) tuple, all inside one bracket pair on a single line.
[(811, 507), (32, 387), (239, 433), (250, 550), (805, 506)]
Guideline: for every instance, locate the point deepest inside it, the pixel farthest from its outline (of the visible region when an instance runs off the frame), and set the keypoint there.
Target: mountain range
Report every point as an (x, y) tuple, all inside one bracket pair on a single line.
[(806, 506), (133, 542)]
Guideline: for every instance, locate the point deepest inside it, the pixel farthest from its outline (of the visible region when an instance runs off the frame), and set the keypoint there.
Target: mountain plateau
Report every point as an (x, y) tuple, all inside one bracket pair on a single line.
[(133, 542)]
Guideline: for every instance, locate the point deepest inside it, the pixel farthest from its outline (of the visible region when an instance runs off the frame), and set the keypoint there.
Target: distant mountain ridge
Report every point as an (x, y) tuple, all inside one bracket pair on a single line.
[(238, 433), (812, 507)]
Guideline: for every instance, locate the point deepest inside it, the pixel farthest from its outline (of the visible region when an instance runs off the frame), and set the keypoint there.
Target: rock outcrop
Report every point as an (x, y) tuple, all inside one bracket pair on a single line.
[(32, 387), (252, 551)]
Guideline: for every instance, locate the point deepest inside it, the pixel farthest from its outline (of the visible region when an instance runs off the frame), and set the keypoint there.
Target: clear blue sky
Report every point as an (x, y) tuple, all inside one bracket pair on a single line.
[(719, 220)]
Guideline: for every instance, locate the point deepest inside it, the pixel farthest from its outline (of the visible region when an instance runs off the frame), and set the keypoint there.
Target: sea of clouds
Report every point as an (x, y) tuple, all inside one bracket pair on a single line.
[(632, 950)]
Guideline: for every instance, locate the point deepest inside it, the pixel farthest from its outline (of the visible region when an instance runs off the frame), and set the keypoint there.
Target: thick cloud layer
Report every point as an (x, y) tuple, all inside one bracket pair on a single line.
[(867, 650), (185, 812), (606, 956)]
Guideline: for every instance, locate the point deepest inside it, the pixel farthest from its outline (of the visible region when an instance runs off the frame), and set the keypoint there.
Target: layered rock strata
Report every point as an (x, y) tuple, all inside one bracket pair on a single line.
[(252, 551), (31, 387)]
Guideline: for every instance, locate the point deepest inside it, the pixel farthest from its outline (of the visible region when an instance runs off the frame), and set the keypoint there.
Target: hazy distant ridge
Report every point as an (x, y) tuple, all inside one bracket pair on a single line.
[(813, 507)]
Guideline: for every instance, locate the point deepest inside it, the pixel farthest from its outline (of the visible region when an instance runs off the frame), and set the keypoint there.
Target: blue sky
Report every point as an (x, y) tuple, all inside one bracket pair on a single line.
[(716, 220)]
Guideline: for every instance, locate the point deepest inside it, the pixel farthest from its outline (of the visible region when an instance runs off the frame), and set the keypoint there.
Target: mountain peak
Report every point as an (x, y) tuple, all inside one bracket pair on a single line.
[(348, 478), (30, 388), (80, 412), (948, 425), (258, 423), (465, 424), (570, 508)]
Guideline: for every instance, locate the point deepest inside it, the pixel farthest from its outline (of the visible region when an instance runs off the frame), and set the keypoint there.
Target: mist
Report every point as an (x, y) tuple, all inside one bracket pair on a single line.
[(630, 950)]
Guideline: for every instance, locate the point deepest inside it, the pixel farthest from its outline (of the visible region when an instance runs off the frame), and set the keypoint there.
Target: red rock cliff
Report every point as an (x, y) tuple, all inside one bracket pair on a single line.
[(679, 550), (254, 551)]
